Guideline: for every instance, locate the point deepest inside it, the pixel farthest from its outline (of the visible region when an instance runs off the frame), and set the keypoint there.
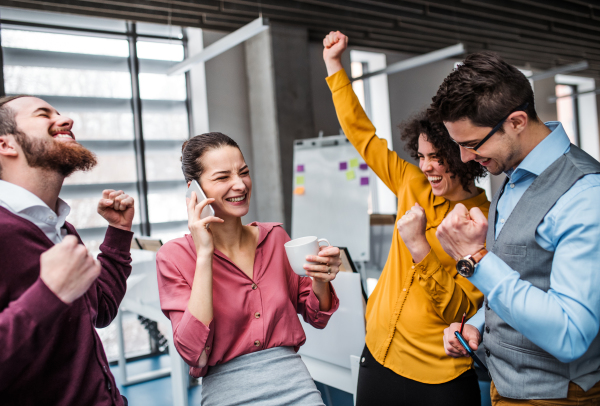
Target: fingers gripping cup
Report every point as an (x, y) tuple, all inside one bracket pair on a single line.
[(298, 249)]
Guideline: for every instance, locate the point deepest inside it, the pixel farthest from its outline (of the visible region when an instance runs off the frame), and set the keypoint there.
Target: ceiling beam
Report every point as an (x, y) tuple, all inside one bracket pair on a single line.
[(417, 61)]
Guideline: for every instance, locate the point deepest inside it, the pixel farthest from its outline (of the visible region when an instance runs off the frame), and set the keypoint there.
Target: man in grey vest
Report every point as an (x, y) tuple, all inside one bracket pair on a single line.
[(538, 262)]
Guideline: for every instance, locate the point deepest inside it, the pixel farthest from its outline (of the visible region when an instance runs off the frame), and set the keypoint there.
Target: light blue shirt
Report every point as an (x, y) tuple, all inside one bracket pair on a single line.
[(564, 320)]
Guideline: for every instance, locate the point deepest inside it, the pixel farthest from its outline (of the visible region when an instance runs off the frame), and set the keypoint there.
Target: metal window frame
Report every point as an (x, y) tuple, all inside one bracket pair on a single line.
[(133, 63), (575, 101), (138, 131)]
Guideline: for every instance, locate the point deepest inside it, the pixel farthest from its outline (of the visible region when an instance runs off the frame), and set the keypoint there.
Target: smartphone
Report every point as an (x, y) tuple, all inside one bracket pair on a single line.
[(470, 351), (200, 196)]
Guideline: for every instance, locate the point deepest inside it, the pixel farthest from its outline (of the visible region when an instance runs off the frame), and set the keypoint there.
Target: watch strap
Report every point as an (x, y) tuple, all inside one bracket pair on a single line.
[(478, 256)]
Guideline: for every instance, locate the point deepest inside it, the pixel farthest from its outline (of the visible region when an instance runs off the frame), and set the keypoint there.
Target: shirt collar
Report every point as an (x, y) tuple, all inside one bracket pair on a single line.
[(21, 200), (545, 153)]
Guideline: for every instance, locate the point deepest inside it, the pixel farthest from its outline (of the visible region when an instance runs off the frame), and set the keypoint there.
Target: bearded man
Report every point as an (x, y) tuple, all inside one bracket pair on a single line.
[(52, 292)]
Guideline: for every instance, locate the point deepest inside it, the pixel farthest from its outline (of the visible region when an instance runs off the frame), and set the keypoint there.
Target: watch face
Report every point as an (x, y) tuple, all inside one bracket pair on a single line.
[(465, 267)]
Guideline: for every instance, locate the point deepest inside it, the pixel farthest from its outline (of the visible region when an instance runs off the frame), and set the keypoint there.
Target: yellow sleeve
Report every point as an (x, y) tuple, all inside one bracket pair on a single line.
[(386, 164), (451, 295)]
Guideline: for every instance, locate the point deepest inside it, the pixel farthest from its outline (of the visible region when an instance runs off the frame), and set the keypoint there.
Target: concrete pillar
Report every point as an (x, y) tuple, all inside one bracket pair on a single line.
[(198, 96), (220, 96), (277, 63)]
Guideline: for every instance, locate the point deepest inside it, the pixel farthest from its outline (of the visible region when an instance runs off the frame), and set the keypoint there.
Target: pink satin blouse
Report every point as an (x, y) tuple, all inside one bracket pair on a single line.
[(249, 314)]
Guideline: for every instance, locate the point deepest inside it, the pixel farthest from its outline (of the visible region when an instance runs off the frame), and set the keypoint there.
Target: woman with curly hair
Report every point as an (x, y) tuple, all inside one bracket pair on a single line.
[(419, 292)]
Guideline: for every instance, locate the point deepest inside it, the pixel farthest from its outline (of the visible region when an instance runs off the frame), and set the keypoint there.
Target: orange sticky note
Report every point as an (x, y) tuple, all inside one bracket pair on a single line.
[(299, 190)]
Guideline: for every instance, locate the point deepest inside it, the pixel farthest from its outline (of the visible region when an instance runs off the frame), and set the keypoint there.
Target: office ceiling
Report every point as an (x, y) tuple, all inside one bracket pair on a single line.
[(539, 34)]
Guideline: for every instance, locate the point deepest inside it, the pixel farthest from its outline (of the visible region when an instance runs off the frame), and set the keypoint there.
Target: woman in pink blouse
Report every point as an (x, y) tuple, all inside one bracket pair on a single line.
[(231, 294)]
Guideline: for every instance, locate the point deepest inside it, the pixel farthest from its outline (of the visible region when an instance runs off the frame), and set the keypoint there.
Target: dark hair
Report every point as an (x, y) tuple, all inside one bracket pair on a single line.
[(447, 150), (483, 89), (193, 149), (8, 122)]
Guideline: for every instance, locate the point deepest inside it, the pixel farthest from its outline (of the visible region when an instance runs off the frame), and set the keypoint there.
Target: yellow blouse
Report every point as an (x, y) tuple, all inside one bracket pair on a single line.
[(412, 303)]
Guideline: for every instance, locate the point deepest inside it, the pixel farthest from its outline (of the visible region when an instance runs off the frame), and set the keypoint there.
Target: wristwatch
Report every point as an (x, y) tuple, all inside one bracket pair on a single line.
[(466, 265)]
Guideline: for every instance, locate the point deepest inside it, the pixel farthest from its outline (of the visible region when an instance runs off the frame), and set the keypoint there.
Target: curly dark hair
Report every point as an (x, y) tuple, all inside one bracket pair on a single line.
[(447, 150)]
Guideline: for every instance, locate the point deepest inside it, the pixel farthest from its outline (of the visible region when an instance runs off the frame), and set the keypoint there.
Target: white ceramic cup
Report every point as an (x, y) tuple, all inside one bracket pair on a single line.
[(298, 249)]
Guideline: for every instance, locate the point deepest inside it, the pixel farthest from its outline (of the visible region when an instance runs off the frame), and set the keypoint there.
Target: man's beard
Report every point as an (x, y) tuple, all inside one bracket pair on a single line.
[(56, 156)]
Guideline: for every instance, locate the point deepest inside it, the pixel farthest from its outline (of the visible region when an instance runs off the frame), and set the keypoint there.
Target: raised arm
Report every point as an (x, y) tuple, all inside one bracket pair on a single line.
[(117, 208), (190, 309), (386, 164)]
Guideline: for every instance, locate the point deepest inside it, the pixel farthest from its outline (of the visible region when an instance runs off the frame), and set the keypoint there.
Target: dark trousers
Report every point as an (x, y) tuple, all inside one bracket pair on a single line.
[(378, 385)]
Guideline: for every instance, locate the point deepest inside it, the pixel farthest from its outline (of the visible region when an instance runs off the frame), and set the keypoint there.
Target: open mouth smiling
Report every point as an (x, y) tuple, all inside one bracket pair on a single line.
[(236, 199), (434, 179)]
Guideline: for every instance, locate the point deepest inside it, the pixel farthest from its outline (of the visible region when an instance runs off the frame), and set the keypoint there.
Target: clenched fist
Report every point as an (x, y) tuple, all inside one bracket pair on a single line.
[(412, 228), (463, 232), (68, 269), (334, 45)]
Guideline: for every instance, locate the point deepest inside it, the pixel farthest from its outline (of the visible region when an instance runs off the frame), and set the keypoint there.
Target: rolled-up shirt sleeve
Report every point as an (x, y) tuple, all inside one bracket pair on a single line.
[(190, 336), (308, 304)]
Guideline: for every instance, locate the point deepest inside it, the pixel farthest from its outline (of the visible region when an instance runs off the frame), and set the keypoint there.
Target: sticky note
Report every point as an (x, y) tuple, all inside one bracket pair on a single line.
[(300, 168), (343, 166), (299, 190), (350, 175), (354, 163), (299, 180), (364, 181), (364, 167)]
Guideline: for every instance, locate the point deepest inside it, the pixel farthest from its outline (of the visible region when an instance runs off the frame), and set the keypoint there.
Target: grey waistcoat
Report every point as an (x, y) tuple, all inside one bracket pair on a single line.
[(519, 368)]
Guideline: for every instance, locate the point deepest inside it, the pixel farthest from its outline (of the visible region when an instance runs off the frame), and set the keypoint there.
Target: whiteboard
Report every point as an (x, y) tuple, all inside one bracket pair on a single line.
[(344, 334), (332, 185)]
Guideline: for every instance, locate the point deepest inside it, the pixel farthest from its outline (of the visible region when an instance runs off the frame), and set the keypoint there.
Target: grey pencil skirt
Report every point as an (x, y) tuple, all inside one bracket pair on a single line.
[(276, 377)]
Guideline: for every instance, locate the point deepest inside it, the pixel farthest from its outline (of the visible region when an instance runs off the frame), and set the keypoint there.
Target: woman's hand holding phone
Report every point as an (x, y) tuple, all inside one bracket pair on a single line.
[(198, 226)]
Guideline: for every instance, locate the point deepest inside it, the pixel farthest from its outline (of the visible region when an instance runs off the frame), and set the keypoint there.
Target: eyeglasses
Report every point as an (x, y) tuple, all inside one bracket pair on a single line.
[(474, 149)]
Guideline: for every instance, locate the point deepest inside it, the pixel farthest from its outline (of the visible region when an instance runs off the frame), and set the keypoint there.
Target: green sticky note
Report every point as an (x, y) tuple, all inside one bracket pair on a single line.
[(350, 175), (354, 163), (299, 180)]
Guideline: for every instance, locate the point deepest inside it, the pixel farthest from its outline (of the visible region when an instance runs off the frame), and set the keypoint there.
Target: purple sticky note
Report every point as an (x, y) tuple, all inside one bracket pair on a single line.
[(343, 166), (363, 167), (364, 181), (300, 168)]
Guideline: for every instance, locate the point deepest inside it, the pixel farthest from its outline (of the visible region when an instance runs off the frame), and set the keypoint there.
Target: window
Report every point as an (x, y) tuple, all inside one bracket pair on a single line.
[(373, 94), (566, 109), (86, 76), (577, 110)]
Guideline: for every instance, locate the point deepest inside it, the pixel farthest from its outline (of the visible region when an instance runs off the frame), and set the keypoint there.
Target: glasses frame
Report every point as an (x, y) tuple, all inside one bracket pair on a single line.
[(522, 107)]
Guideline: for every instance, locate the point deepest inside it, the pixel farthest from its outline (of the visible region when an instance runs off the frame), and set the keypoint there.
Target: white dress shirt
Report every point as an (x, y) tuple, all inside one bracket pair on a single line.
[(25, 204)]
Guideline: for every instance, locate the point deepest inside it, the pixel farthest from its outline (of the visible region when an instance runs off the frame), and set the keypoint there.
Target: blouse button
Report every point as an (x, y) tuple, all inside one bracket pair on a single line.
[(254, 286), (207, 348), (257, 343), (257, 315), (512, 185)]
